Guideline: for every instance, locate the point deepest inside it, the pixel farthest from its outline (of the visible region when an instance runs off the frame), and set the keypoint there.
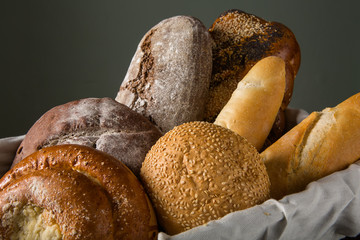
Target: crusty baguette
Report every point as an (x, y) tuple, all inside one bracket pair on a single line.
[(253, 106), (321, 144)]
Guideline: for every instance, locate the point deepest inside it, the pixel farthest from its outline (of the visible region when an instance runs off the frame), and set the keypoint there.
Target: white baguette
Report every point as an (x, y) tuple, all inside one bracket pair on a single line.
[(253, 106)]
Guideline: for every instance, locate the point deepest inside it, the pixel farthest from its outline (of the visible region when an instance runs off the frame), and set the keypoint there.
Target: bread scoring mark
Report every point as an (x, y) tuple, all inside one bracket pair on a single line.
[(86, 138), (297, 163), (311, 144)]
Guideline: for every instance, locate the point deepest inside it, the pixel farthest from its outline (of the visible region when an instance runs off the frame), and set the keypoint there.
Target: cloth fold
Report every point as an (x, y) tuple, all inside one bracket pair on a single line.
[(8, 147)]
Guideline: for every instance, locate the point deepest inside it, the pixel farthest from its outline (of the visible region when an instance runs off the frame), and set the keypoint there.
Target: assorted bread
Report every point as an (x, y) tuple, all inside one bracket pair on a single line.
[(196, 131)]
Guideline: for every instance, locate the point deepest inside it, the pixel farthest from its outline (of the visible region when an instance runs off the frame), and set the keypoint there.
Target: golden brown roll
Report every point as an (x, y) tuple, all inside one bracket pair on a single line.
[(242, 39), (199, 172), (132, 214)]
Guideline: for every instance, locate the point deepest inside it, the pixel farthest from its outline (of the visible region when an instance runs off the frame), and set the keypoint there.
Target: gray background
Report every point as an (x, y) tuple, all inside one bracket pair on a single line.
[(53, 52)]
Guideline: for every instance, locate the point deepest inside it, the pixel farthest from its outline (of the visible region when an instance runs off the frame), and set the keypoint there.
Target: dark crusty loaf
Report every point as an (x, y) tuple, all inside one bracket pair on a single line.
[(168, 77), (101, 123), (242, 39)]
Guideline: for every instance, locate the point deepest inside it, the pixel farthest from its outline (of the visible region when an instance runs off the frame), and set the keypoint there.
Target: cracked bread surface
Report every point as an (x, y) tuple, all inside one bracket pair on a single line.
[(168, 78)]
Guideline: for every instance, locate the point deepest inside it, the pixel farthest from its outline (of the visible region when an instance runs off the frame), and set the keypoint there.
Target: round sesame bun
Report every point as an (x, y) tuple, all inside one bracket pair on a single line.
[(200, 172)]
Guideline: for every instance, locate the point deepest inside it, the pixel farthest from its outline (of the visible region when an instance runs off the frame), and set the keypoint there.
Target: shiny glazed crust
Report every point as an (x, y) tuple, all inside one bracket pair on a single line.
[(133, 216)]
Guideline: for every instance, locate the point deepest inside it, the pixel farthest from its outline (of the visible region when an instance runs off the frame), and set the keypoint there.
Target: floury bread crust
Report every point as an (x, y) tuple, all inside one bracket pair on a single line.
[(199, 172), (101, 123), (321, 144), (169, 75), (87, 193)]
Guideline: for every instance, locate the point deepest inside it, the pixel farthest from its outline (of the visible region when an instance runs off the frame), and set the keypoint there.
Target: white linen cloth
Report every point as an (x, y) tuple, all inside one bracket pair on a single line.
[(328, 209), (8, 147)]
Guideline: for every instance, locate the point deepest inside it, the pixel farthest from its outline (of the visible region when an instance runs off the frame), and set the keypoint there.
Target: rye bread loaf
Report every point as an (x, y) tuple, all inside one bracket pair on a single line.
[(168, 77), (240, 40), (100, 123)]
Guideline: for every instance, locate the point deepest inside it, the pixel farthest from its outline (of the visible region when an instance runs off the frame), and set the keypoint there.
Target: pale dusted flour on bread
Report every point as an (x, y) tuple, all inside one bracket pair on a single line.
[(169, 75), (100, 123)]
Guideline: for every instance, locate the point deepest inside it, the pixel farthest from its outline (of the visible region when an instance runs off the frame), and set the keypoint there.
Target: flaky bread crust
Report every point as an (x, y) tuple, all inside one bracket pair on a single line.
[(321, 144), (253, 106)]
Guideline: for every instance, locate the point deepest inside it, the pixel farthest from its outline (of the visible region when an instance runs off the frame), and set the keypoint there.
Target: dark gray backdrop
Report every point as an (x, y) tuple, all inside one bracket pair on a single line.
[(53, 52)]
